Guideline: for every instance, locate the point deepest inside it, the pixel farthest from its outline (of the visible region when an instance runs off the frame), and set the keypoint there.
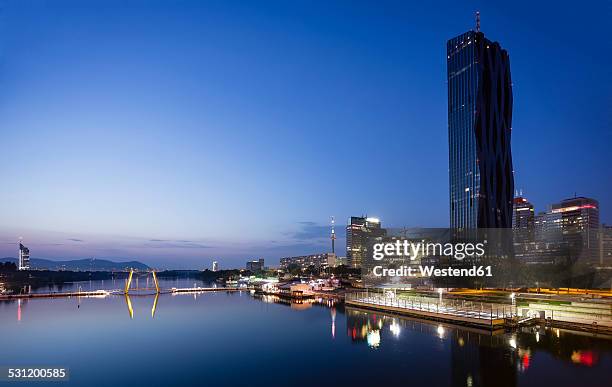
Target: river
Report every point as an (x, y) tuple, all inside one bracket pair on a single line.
[(223, 339)]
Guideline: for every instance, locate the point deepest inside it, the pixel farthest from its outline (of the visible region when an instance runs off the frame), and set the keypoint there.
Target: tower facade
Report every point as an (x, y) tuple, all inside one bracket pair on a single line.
[(360, 233), (333, 235), (481, 181), (24, 257), (578, 219), (523, 215)]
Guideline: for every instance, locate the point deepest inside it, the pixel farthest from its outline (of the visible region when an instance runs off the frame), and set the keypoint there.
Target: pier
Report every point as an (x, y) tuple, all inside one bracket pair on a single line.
[(490, 316)]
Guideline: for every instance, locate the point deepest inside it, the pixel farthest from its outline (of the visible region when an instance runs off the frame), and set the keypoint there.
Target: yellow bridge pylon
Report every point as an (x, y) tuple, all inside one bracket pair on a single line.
[(129, 282)]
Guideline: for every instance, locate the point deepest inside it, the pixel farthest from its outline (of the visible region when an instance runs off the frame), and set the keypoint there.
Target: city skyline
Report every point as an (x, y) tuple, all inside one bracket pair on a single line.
[(226, 147)]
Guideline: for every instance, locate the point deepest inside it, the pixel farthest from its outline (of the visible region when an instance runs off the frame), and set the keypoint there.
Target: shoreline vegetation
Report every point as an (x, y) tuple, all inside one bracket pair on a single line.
[(14, 281)]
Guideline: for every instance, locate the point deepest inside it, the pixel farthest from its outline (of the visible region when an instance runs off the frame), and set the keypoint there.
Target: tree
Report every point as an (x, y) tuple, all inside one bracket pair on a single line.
[(8, 266)]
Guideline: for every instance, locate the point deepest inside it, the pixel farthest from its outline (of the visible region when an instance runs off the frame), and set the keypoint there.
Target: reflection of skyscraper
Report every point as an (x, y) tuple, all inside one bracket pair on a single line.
[(359, 233), (24, 257), (481, 178), (476, 361)]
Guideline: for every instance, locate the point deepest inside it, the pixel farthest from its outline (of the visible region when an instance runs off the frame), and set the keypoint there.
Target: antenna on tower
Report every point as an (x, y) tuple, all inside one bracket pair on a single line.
[(477, 21), (333, 234)]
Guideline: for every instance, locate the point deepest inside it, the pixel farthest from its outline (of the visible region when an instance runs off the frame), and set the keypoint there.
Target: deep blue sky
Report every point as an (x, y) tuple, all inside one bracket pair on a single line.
[(179, 132)]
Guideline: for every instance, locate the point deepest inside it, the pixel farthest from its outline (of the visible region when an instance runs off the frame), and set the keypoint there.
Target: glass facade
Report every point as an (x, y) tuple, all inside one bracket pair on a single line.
[(359, 233), (464, 176), (481, 183)]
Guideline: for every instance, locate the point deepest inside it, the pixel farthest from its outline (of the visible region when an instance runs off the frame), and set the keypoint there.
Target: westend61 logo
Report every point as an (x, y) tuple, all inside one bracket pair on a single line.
[(400, 250)]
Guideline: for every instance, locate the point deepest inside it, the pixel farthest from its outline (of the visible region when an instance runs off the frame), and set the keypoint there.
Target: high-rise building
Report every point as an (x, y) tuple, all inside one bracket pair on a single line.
[(605, 245), (523, 225), (215, 266), (256, 265), (481, 178), (548, 226), (24, 257), (305, 261), (579, 223), (523, 215), (360, 232)]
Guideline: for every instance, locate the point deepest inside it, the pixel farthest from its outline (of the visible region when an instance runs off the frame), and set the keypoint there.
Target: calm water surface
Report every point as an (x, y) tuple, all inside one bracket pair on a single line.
[(221, 339)]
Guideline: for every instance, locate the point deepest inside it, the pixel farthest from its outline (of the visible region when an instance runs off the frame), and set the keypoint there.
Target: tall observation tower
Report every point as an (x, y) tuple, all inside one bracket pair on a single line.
[(333, 235)]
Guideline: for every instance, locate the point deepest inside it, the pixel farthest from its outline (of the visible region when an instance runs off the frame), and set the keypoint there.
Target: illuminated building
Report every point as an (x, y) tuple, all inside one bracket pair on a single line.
[(361, 232), (523, 225), (523, 215), (481, 181), (579, 223), (256, 265), (24, 257), (305, 261), (215, 266), (547, 226)]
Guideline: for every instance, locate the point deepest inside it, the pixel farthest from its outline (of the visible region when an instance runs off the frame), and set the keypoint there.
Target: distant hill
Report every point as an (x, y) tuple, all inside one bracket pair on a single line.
[(80, 264)]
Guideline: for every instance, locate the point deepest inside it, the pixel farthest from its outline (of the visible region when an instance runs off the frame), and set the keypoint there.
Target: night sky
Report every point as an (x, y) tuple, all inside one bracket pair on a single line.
[(176, 133)]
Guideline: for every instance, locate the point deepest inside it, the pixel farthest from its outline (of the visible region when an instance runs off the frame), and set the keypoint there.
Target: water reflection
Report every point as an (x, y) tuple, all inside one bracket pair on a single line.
[(154, 308), (219, 328), (128, 303), (480, 357)]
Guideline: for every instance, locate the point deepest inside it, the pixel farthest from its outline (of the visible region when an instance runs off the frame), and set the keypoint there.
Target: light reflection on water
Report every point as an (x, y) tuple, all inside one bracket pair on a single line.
[(190, 338)]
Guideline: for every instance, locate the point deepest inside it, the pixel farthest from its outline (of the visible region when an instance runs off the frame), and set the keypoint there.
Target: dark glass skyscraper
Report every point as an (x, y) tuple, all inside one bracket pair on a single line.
[(481, 178)]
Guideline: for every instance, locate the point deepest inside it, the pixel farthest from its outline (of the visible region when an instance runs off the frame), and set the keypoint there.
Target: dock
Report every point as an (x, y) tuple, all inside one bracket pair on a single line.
[(492, 317)]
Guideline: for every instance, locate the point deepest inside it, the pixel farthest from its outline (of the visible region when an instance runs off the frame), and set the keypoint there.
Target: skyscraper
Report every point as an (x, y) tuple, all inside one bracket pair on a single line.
[(605, 245), (523, 215), (481, 178), (579, 223), (523, 224), (24, 257), (359, 234), (255, 265)]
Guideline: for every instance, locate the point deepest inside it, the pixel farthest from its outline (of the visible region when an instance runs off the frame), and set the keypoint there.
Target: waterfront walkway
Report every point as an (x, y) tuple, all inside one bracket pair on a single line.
[(481, 315), (106, 293)]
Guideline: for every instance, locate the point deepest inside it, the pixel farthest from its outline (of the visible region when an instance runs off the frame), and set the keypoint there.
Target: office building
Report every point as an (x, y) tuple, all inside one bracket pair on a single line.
[(360, 233), (578, 219), (523, 215), (481, 180), (256, 265), (523, 228), (215, 266), (547, 226), (24, 257), (605, 246), (316, 261)]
